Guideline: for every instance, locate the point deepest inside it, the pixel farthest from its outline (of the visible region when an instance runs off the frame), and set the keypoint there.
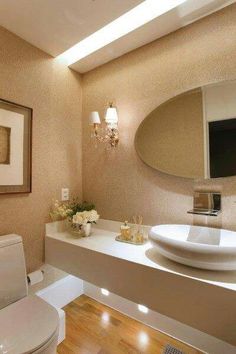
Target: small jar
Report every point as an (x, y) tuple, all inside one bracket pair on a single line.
[(138, 237)]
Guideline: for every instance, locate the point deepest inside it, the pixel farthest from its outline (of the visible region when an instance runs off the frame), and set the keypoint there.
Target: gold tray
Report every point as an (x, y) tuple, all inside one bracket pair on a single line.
[(118, 238)]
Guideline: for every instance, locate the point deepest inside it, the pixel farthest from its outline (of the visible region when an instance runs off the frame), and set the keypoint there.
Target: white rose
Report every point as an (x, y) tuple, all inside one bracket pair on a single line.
[(74, 219), (85, 221), (93, 216), (78, 218), (85, 214)]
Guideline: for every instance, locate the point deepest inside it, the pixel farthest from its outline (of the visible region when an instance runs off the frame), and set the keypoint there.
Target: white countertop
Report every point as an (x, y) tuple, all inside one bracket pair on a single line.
[(102, 240)]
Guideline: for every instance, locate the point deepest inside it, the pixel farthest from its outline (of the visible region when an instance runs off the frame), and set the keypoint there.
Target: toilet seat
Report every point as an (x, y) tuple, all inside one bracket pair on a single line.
[(27, 325)]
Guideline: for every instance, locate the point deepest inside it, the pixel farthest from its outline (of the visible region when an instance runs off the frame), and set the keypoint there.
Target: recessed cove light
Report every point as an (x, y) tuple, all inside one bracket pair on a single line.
[(105, 292), (126, 23), (143, 308)]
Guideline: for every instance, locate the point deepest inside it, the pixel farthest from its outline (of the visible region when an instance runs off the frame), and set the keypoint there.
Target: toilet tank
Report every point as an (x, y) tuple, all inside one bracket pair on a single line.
[(13, 284)]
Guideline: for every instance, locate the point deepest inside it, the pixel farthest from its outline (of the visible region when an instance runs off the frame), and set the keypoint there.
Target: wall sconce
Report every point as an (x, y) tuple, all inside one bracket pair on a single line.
[(111, 134)]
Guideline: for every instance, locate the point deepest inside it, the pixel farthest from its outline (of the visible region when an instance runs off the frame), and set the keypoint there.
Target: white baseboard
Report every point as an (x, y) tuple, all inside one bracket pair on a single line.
[(169, 326)]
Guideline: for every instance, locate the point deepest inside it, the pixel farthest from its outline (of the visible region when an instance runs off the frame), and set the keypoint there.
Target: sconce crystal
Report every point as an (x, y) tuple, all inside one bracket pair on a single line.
[(111, 134)]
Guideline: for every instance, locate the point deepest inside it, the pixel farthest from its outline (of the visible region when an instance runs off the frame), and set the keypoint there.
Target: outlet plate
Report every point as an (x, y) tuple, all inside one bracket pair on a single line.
[(64, 194)]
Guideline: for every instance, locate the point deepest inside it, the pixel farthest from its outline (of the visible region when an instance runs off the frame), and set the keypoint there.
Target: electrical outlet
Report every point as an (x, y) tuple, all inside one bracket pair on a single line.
[(64, 194)]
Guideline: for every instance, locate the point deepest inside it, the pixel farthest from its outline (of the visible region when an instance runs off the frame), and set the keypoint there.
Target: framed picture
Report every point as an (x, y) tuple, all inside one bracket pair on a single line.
[(15, 148)]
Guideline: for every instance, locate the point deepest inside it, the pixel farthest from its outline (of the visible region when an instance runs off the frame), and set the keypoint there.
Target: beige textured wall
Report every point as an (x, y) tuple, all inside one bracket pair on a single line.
[(118, 181), (32, 78), (172, 133)]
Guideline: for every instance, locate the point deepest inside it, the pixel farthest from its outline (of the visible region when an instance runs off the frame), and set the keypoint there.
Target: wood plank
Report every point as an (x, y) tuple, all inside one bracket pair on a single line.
[(93, 328)]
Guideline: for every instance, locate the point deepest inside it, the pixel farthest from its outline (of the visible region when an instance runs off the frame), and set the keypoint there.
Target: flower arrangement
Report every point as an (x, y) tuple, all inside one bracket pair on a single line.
[(79, 215), (84, 217)]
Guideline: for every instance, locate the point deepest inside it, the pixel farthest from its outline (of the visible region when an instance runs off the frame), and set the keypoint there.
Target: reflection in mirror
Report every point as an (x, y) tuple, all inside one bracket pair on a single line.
[(192, 135), (222, 147)]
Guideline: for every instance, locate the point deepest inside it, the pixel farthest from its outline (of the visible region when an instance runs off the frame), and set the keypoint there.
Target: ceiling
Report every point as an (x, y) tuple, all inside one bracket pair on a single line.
[(56, 25)]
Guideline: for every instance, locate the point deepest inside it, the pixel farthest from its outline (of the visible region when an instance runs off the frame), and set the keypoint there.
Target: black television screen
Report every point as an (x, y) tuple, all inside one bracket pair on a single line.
[(222, 148)]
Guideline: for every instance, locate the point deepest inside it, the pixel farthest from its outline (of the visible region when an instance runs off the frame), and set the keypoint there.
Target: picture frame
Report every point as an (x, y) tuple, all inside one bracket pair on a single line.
[(15, 148)]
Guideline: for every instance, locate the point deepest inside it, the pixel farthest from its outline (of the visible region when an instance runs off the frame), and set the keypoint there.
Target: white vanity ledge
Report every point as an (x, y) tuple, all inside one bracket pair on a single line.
[(202, 299), (103, 241)]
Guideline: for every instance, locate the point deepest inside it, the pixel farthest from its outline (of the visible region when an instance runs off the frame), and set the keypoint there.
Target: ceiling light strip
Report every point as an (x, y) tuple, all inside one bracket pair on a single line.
[(131, 20)]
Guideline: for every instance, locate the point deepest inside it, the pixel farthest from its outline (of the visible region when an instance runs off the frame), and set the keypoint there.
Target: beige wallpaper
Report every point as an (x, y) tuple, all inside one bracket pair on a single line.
[(32, 78), (118, 181)]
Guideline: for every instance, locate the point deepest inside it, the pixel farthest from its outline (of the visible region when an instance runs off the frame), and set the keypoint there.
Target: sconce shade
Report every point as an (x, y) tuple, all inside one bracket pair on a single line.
[(94, 118), (111, 117)]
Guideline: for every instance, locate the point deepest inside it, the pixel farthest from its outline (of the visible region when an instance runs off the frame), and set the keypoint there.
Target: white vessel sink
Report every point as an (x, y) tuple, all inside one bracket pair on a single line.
[(196, 246)]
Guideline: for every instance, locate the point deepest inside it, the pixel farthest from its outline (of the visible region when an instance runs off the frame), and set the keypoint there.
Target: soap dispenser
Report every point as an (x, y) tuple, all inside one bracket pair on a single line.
[(125, 231)]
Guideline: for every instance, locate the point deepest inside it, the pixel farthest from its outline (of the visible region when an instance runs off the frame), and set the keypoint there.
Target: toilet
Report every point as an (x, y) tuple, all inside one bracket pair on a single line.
[(28, 324)]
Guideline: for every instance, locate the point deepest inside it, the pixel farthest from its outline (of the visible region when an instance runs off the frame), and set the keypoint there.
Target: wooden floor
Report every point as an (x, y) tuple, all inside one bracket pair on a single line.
[(92, 328)]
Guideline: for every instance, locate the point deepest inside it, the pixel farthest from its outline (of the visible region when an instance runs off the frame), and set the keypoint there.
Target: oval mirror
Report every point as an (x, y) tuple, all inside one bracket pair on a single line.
[(192, 135)]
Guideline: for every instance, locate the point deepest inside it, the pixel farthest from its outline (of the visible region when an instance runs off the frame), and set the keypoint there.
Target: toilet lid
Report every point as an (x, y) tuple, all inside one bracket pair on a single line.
[(26, 325)]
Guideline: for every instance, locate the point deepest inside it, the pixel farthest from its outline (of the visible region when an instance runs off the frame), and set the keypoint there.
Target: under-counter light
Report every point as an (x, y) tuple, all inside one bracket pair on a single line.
[(105, 292), (143, 308), (128, 22)]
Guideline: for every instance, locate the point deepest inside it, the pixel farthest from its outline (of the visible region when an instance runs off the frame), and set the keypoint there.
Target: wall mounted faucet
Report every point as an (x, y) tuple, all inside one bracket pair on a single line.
[(206, 204)]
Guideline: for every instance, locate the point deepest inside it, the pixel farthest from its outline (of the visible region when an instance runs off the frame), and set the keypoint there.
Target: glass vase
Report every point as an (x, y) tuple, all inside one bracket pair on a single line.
[(81, 230)]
